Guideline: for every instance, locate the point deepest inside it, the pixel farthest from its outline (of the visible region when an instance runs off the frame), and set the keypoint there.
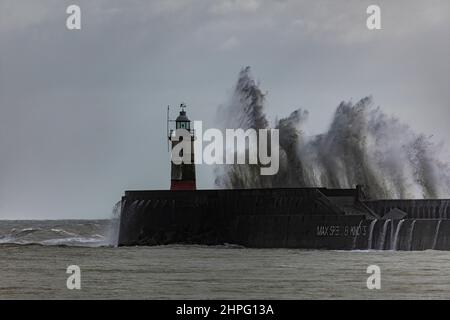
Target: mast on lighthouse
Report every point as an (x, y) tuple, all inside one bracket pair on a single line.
[(182, 175)]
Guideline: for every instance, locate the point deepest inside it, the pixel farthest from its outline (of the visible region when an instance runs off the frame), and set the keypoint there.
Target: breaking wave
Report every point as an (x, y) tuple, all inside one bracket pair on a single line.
[(84, 233), (363, 146), (61, 233)]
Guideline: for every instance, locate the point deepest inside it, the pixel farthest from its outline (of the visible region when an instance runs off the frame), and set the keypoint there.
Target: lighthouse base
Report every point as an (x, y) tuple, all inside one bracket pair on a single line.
[(182, 185)]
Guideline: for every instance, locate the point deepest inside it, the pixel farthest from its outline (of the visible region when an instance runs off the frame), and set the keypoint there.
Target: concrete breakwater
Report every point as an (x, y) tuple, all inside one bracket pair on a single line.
[(309, 218)]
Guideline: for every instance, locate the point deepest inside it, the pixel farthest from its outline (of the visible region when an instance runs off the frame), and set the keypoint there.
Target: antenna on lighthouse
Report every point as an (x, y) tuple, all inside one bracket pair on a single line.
[(167, 128)]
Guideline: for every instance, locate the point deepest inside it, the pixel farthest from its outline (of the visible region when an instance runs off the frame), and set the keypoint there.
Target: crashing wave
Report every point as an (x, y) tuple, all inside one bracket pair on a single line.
[(74, 234), (363, 146)]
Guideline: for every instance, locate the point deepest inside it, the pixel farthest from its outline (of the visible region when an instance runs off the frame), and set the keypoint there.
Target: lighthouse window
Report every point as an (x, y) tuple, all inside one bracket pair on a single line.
[(183, 125)]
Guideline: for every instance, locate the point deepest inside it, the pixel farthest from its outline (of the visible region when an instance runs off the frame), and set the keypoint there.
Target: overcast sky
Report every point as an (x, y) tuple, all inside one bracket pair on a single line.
[(82, 113)]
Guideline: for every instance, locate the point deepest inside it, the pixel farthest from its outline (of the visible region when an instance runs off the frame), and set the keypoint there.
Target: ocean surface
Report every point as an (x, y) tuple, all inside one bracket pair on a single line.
[(34, 256)]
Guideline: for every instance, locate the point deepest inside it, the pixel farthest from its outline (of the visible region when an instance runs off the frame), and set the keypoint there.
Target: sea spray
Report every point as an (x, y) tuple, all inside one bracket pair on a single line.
[(436, 234), (244, 111), (112, 235), (397, 232), (362, 146), (383, 235), (370, 240)]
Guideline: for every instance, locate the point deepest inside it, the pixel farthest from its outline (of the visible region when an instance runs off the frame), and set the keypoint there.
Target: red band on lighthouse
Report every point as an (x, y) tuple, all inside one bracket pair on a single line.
[(182, 185)]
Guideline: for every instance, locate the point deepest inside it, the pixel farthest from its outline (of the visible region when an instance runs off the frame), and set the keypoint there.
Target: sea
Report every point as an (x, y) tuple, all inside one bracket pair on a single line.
[(35, 257)]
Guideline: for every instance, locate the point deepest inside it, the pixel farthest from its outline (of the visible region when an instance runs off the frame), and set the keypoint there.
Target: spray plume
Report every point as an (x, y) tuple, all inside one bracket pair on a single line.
[(362, 146)]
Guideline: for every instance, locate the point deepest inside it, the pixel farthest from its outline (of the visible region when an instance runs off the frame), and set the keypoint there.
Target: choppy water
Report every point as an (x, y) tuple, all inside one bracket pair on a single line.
[(34, 257)]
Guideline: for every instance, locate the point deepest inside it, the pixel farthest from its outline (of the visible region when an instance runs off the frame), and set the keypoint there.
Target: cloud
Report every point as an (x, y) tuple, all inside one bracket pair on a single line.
[(19, 15), (229, 44), (225, 7)]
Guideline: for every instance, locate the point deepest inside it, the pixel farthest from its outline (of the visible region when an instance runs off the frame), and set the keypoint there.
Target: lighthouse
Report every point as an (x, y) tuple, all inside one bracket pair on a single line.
[(183, 174)]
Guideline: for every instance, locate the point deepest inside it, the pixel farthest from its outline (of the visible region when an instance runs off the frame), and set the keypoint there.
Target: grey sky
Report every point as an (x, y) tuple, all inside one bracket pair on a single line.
[(82, 113)]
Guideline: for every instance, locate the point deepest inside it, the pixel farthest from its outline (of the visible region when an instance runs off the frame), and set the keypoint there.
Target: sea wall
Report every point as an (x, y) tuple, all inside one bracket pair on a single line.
[(279, 218), (212, 216)]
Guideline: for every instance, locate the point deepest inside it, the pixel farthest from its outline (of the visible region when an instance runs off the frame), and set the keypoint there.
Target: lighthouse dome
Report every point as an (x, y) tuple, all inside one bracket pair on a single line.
[(182, 117)]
